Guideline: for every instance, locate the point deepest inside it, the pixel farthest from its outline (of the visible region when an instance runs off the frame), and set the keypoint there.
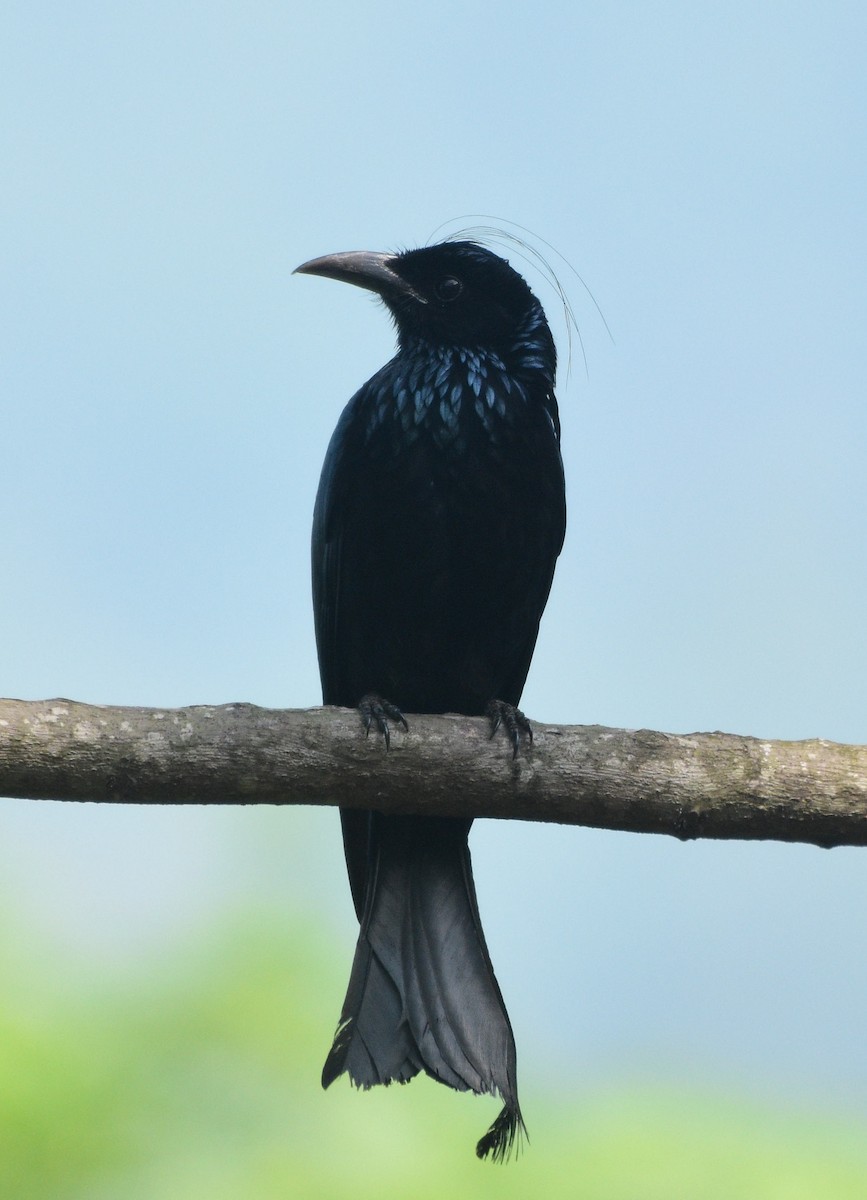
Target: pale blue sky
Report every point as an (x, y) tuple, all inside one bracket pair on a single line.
[(169, 389)]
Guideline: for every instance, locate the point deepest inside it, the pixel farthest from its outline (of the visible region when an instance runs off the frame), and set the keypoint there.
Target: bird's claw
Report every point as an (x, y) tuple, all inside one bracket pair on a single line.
[(376, 711), (513, 721)]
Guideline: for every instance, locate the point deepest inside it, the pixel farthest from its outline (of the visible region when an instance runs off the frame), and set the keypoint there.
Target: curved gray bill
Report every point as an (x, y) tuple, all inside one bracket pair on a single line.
[(365, 268)]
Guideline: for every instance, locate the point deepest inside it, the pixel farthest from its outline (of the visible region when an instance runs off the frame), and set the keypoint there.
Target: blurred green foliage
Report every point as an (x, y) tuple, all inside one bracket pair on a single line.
[(197, 1076)]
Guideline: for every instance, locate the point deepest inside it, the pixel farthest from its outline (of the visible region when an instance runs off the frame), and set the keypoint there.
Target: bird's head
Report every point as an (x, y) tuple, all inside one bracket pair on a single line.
[(450, 294)]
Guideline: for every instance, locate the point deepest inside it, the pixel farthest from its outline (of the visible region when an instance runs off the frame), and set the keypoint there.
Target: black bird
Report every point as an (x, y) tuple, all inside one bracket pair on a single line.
[(439, 518)]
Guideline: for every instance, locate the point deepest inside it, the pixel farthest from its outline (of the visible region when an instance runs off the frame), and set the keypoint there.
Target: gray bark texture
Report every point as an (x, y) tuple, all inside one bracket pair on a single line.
[(713, 785)]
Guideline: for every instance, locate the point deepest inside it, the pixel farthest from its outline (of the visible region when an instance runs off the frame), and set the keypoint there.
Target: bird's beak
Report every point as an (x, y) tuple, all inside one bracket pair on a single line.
[(364, 268)]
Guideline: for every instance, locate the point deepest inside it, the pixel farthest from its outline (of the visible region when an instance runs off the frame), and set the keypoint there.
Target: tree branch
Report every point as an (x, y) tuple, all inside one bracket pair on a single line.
[(711, 785)]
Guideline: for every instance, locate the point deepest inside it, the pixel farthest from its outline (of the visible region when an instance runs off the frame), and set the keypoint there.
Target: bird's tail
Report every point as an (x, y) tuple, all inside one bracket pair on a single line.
[(422, 995)]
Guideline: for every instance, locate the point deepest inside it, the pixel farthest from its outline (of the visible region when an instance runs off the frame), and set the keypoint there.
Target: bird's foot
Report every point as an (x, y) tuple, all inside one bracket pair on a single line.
[(513, 722), (377, 712)]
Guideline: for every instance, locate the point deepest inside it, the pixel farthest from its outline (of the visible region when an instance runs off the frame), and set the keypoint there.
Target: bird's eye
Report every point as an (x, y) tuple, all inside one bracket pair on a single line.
[(448, 288)]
